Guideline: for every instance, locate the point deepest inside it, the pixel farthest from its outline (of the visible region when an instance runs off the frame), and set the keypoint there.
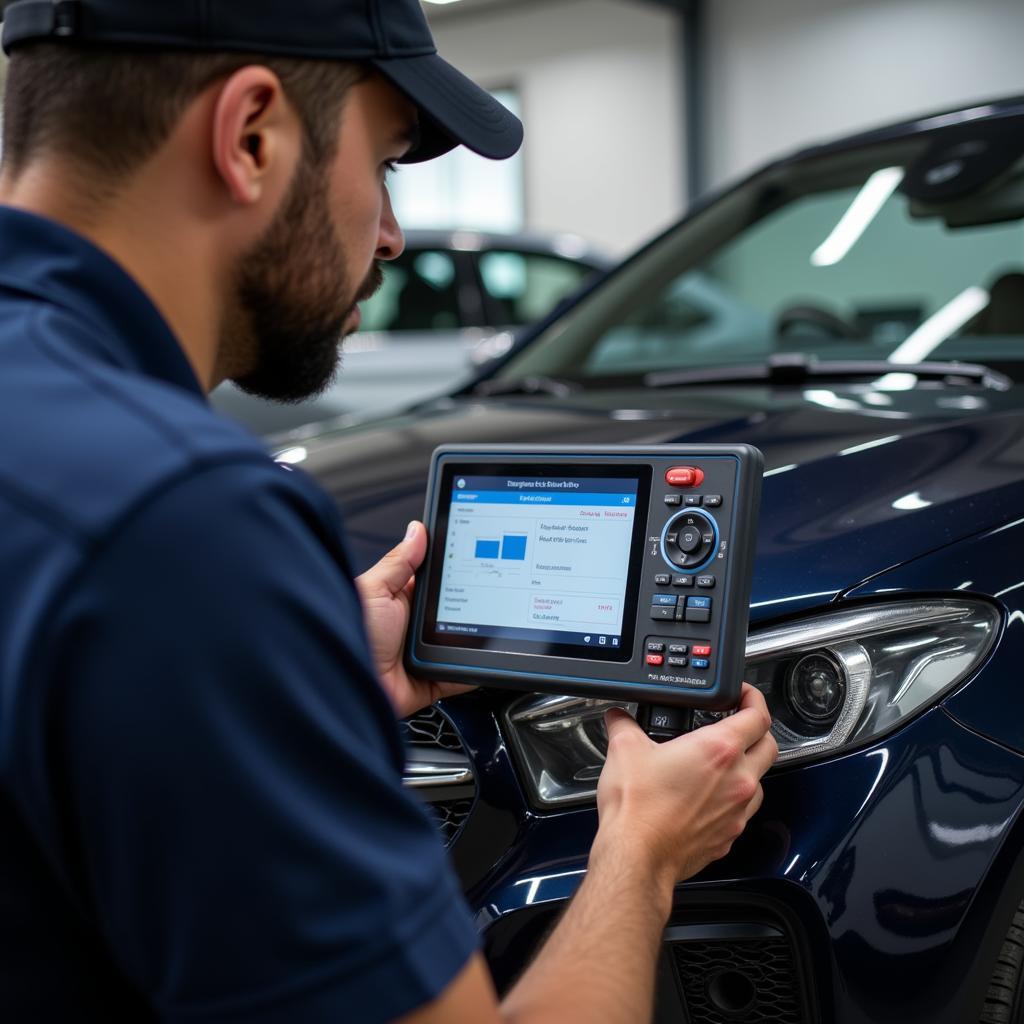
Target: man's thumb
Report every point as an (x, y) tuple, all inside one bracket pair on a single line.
[(399, 565), (619, 723)]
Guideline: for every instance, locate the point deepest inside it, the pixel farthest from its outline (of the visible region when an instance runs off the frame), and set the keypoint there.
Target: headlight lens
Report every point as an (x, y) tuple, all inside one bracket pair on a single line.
[(832, 681)]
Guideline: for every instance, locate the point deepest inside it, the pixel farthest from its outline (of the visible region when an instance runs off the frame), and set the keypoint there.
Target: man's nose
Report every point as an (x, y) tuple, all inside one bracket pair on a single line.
[(391, 241)]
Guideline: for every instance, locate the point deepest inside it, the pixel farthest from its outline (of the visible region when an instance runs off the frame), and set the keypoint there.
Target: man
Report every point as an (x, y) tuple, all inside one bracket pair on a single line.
[(201, 814)]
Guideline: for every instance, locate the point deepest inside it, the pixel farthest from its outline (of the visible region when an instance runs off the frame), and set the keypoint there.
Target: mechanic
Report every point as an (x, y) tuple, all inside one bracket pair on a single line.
[(201, 809)]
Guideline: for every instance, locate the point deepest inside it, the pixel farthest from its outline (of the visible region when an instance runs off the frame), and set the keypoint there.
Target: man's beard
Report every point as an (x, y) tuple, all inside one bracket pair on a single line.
[(292, 297)]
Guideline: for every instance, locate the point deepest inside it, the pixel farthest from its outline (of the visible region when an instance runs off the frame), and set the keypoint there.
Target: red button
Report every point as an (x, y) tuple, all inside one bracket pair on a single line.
[(684, 476), (701, 651), (655, 659)]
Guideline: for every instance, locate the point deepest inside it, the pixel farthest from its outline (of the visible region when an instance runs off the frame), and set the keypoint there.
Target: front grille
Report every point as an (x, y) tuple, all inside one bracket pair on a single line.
[(430, 728), (449, 816), (450, 805), (753, 980)]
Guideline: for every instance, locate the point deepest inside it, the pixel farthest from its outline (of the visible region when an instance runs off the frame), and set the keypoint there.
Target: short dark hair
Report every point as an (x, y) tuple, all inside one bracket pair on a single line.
[(112, 109)]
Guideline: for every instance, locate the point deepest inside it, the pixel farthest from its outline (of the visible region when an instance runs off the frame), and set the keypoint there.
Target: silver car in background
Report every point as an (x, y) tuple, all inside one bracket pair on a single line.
[(451, 301)]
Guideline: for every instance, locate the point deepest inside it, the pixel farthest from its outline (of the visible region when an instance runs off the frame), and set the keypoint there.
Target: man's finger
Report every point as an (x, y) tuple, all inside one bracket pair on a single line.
[(398, 566), (763, 753), (752, 719), (619, 723)]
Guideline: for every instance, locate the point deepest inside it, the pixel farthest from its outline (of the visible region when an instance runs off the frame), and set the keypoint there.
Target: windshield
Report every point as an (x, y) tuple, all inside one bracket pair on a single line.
[(844, 257)]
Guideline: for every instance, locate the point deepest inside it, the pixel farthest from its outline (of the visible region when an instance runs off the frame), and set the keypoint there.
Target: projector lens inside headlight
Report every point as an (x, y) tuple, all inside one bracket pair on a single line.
[(832, 681), (816, 690)]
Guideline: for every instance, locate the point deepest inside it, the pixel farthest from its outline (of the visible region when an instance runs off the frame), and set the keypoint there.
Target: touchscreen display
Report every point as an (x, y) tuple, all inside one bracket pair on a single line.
[(537, 561)]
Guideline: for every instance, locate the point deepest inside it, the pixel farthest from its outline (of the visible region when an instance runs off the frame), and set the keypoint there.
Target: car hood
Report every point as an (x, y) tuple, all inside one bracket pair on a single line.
[(856, 481)]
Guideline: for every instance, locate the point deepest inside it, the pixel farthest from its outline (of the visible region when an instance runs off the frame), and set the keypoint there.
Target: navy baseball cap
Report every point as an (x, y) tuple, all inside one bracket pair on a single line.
[(390, 35)]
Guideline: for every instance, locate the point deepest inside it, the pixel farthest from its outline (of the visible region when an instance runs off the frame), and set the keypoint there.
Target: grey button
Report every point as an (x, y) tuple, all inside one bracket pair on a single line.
[(678, 649), (712, 500), (706, 581), (663, 579), (689, 540), (698, 614), (678, 662), (693, 499), (655, 647), (664, 612), (682, 581), (673, 499)]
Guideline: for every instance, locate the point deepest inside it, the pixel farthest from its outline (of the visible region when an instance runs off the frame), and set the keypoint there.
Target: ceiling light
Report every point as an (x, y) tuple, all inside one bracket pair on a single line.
[(862, 211), (940, 326)]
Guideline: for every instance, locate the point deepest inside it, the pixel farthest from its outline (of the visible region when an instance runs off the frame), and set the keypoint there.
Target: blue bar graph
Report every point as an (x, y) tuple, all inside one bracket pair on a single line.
[(487, 548), (513, 547)]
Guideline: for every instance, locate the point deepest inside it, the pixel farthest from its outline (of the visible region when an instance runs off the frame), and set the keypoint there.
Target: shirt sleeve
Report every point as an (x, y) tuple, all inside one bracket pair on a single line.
[(231, 769)]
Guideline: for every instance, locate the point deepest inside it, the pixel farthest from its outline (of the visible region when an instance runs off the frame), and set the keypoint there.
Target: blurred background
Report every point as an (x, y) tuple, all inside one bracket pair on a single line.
[(633, 108)]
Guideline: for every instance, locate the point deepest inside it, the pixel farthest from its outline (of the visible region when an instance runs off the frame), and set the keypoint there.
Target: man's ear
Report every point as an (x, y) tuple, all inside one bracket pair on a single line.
[(256, 136)]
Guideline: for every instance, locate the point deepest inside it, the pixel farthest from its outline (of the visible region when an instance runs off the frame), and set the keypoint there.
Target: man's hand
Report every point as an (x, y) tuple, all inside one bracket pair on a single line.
[(386, 592), (680, 805)]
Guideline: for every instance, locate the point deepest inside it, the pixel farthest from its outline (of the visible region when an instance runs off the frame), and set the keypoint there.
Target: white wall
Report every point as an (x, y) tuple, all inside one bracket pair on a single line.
[(602, 105), (787, 72)]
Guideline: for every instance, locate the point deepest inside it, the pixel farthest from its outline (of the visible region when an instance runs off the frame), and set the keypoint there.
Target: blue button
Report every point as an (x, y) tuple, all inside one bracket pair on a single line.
[(669, 599), (699, 662), (698, 602)]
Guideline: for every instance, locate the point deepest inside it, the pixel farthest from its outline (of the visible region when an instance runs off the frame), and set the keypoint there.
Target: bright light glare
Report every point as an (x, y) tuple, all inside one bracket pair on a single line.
[(442, 1), (896, 382), (291, 456), (862, 211), (909, 502), (940, 326), (830, 400), (878, 442)]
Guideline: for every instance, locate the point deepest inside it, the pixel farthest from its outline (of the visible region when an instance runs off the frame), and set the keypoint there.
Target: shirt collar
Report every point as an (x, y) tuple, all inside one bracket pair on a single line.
[(48, 261)]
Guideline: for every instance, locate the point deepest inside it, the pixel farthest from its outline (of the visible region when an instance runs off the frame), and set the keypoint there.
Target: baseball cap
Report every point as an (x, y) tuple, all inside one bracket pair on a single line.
[(390, 35)]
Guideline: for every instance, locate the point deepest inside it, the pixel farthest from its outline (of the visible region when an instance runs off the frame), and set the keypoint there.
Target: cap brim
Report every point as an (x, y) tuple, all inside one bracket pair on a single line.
[(454, 110)]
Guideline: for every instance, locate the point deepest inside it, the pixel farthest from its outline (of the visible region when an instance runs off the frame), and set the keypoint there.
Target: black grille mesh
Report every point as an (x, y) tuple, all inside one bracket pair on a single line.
[(430, 728), (449, 816), (766, 963)]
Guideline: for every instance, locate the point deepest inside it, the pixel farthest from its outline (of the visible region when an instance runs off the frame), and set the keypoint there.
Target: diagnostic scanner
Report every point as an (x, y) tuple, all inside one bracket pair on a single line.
[(619, 572)]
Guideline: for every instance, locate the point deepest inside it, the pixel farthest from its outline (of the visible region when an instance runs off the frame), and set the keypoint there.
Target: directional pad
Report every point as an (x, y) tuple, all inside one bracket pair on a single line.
[(689, 539)]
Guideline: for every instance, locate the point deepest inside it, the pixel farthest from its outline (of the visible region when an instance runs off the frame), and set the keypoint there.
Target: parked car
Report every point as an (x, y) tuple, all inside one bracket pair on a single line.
[(867, 333), (450, 301)]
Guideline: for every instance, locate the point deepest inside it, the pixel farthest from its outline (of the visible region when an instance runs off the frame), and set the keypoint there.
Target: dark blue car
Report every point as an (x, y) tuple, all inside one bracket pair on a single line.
[(857, 312)]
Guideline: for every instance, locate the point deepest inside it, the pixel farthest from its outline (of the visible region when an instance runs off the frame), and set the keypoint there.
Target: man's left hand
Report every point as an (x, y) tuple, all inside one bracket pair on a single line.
[(386, 591)]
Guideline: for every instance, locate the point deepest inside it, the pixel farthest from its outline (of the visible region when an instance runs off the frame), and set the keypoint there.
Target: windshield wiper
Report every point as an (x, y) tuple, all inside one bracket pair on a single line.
[(527, 386), (797, 368)]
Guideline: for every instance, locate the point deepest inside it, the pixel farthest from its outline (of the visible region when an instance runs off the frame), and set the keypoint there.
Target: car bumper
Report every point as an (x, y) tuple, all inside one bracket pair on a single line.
[(876, 886)]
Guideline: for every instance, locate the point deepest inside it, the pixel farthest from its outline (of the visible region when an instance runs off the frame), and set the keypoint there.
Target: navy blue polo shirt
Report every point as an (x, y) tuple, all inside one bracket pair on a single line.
[(201, 810)]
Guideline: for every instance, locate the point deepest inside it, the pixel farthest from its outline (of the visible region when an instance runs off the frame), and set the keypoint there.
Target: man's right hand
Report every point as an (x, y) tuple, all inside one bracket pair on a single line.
[(666, 810), (680, 805)]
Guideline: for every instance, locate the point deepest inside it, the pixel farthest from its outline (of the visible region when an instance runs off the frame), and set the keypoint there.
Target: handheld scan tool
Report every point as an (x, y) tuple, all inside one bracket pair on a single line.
[(620, 572)]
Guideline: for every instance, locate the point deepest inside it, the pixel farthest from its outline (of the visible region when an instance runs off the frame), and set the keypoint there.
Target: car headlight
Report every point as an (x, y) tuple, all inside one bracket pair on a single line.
[(832, 681)]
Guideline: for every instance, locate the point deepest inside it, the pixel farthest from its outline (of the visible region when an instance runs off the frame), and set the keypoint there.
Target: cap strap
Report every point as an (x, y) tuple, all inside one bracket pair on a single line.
[(40, 19)]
